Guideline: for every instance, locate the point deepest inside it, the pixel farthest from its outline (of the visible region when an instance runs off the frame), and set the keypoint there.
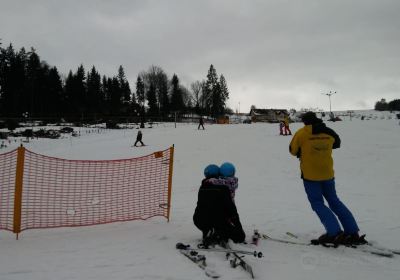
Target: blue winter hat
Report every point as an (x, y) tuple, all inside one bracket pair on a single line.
[(227, 169), (212, 170)]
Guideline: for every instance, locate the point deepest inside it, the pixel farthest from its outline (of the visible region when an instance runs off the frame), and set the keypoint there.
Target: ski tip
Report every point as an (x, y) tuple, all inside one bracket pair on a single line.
[(264, 236), (180, 245)]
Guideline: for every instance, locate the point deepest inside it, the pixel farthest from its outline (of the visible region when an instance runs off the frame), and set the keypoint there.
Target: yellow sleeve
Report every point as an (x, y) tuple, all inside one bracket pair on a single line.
[(294, 146)]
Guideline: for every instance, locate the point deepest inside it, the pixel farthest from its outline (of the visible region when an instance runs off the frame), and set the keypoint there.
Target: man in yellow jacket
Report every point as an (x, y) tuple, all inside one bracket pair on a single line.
[(313, 145)]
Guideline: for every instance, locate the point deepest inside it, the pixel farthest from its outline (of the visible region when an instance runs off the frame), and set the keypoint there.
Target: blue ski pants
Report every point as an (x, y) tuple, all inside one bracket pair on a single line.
[(316, 192)]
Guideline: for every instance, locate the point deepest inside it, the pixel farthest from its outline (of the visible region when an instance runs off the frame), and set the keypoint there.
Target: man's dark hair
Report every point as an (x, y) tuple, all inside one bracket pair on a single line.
[(310, 118)]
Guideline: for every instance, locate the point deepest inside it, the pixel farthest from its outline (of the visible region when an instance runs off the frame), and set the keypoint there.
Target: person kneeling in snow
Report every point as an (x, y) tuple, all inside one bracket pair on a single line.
[(216, 214)]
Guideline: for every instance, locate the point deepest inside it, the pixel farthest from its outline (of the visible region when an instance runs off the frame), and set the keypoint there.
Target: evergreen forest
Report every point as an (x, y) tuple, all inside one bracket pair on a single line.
[(31, 88)]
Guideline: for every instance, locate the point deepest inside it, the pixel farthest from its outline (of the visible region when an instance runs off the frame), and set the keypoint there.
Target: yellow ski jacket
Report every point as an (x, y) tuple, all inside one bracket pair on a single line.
[(313, 145), (286, 121)]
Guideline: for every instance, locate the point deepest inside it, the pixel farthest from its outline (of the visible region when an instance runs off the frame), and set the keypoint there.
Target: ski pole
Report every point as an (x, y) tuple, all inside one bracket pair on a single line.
[(256, 254), (292, 235)]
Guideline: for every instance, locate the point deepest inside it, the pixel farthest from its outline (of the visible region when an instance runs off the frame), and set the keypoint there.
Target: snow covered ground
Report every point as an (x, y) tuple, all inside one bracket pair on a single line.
[(270, 198)]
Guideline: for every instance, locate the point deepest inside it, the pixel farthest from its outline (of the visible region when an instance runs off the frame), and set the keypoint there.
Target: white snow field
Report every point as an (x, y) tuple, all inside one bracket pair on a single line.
[(270, 198)]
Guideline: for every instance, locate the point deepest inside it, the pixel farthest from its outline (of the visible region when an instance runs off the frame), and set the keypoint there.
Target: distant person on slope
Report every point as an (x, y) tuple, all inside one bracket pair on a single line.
[(281, 126), (286, 125), (313, 145), (216, 213), (139, 137), (201, 123)]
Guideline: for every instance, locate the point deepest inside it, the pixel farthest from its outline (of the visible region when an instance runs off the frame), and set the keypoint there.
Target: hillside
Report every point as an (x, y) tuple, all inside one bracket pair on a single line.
[(270, 198)]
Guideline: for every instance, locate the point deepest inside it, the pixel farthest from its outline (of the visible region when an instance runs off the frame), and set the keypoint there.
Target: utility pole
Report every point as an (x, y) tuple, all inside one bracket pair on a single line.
[(329, 95)]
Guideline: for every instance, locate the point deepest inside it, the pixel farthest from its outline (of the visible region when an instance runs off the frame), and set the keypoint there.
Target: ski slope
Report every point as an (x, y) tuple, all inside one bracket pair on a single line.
[(270, 198)]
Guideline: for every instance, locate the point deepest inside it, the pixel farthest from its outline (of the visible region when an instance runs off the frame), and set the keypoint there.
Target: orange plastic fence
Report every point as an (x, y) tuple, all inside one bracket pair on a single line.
[(54, 192), (8, 169)]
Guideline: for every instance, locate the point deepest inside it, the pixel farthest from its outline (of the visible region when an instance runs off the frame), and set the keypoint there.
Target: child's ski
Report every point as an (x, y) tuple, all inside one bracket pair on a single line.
[(200, 260), (236, 260)]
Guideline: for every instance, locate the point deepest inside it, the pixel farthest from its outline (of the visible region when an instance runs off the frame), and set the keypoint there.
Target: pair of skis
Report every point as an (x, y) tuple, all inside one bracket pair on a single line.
[(198, 259), (237, 260), (234, 257), (369, 248)]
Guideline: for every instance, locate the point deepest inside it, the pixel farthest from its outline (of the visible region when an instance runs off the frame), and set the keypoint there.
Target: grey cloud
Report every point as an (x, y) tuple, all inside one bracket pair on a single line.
[(273, 53)]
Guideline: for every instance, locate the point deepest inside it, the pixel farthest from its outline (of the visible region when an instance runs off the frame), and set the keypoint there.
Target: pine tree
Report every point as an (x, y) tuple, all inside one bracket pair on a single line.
[(115, 96), (105, 95), (6, 57), (76, 93), (18, 78), (163, 95), (217, 107), (140, 91), (152, 101), (55, 92), (381, 105), (43, 98), (394, 105), (12, 81), (80, 94), (2, 76), (205, 109), (224, 89), (176, 95), (212, 92), (94, 92), (68, 92), (124, 85), (215, 93), (33, 83)]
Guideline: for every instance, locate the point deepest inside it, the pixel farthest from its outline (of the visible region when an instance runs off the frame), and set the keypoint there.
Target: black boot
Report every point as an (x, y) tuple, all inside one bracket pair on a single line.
[(354, 239), (212, 237), (329, 240)]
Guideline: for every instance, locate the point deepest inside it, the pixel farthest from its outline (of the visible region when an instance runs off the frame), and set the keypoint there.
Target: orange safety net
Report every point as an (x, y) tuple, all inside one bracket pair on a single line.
[(8, 166), (58, 192)]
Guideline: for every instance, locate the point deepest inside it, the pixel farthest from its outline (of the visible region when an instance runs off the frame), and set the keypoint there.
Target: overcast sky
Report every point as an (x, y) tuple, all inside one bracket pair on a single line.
[(273, 54)]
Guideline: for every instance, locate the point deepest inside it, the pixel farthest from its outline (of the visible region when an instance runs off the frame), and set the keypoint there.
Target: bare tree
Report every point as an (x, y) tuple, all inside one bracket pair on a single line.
[(197, 91), (157, 77)]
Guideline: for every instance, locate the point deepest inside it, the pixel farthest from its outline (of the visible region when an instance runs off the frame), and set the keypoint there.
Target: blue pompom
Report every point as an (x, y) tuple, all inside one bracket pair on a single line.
[(212, 170), (227, 169)]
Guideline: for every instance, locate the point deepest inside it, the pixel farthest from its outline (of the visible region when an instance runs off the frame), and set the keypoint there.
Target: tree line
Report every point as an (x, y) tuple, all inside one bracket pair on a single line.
[(393, 105), (31, 88)]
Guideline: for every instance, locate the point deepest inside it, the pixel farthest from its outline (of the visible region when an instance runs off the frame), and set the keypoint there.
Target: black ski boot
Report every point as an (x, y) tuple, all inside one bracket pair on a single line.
[(329, 240), (212, 238), (354, 240)]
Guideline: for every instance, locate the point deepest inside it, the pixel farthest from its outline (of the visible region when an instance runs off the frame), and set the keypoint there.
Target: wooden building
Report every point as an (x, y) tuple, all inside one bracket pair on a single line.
[(268, 115)]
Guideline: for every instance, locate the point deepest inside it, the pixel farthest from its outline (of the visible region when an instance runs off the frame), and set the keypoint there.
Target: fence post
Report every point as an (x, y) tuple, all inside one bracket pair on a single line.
[(18, 190), (171, 165)]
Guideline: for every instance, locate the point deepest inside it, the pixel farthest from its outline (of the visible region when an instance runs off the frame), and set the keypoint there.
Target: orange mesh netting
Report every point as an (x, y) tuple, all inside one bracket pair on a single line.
[(8, 165), (58, 192)]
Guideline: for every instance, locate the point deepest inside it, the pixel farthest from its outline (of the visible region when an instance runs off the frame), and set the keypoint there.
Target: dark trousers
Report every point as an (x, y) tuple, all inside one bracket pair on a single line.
[(137, 142)]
